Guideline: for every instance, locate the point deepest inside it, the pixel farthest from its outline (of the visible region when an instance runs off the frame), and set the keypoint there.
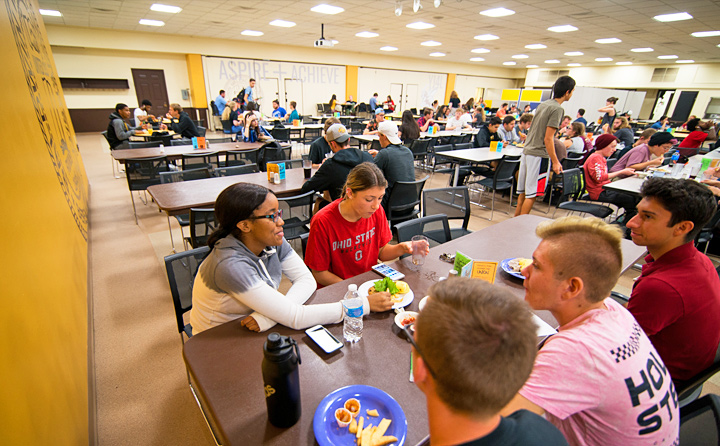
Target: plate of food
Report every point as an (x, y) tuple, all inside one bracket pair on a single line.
[(515, 265), (400, 292), (359, 415)]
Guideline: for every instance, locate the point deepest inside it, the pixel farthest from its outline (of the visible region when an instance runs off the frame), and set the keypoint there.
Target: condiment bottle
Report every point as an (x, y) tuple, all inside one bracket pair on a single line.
[(281, 379)]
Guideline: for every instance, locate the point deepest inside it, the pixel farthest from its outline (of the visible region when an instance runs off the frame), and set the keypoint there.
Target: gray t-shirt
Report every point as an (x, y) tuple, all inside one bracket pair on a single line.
[(548, 114)]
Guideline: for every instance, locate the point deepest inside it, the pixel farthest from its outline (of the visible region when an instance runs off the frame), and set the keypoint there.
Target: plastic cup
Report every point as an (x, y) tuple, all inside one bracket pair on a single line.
[(419, 246), (307, 167)]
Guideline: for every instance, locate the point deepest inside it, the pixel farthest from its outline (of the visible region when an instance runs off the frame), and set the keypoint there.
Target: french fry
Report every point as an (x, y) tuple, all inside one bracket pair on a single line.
[(366, 436), (380, 431), (353, 427), (360, 428), (371, 412), (382, 441)]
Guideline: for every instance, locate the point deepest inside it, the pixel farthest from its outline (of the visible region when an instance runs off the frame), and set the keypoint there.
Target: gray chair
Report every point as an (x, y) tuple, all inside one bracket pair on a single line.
[(419, 148), (181, 142), (113, 161), (404, 200), (181, 269), (454, 202), (311, 135), (236, 170), (202, 130), (555, 183), (297, 212), (573, 189), (700, 422), (200, 160), (281, 134), (176, 177), (218, 140), (435, 227), (202, 224), (291, 164), (502, 179), (240, 157), (143, 173), (143, 144)]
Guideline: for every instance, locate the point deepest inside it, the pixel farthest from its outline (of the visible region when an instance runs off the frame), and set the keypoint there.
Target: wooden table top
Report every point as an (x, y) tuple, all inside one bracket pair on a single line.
[(225, 361), (178, 151)]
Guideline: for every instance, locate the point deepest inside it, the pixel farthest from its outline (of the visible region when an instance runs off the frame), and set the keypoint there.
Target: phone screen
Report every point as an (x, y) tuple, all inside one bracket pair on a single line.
[(324, 338)]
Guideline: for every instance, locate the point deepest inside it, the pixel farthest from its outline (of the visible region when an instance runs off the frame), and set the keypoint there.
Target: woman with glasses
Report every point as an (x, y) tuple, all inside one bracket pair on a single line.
[(249, 255)]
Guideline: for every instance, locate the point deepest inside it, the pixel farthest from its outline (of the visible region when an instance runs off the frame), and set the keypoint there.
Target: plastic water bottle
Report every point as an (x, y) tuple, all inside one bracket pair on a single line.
[(677, 167), (353, 310)]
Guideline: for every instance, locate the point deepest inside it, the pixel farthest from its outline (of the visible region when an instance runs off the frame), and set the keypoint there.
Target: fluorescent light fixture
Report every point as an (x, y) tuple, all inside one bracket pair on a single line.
[(667, 57), (642, 50), (388, 48), (477, 59), (416, 5), (510, 63), (436, 54), (685, 61), (366, 34), (520, 56), (151, 22), (673, 17), (165, 8), (327, 9), (574, 65), (706, 34), (430, 43), (249, 32), (486, 37), (562, 28), (574, 53), (480, 50), (603, 59), (552, 61), (623, 63), (282, 23), (419, 25), (51, 12), (608, 40), (535, 46), (497, 12), (531, 66)]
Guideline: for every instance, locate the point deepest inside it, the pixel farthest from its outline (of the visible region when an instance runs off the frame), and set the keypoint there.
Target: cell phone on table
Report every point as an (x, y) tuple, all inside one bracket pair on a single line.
[(387, 271), (324, 339)]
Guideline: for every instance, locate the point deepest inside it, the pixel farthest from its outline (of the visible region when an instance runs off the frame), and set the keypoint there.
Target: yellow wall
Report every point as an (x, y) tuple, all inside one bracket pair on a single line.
[(43, 291), (351, 82), (449, 87), (197, 80)]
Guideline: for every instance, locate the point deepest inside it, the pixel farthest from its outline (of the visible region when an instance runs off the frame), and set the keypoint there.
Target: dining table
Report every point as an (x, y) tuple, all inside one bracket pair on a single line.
[(224, 362), (477, 155), (175, 152)]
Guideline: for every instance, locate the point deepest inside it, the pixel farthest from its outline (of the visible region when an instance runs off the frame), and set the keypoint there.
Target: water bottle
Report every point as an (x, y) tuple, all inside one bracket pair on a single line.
[(353, 310), (677, 167), (162, 148), (281, 380)]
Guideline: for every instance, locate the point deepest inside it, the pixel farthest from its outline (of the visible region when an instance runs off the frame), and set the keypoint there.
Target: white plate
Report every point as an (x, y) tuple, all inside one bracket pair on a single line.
[(422, 303), (402, 315), (407, 297)]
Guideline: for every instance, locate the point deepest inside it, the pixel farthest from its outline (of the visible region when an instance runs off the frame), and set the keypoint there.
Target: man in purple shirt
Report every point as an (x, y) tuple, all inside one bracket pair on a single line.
[(638, 158)]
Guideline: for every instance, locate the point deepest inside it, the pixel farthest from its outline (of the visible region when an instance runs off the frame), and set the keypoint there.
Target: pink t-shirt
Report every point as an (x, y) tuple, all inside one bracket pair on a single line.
[(601, 382)]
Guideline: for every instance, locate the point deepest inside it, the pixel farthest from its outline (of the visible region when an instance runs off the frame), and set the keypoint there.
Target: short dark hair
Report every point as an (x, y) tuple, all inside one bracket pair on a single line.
[(293, 104), (275, 101), (612, 99), (692, 124), (146, 102), (375, 94), (427, 111), (222, 91), (481, 341), (119, 106), (507, 119), (504, 105), (494, 121), (251, 80), (562, 85), (581, 112), (686, 200), (526, 117)]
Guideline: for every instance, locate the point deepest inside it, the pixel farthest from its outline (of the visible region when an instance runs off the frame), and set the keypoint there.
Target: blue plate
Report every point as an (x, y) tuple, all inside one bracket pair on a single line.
[(327, 431), (504, 265)]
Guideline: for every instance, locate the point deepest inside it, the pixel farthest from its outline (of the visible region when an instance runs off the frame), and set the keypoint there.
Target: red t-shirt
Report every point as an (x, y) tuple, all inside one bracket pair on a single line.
[(693, 140), (596, 174), (676, 301), (345, 248)]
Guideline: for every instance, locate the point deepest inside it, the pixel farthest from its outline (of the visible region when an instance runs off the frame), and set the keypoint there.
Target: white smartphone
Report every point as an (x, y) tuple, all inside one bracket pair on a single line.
[(386, 271), (324, 339)]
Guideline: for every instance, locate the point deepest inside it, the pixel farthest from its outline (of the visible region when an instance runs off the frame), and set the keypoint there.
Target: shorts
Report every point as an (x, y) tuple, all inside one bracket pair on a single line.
[(528, 175)]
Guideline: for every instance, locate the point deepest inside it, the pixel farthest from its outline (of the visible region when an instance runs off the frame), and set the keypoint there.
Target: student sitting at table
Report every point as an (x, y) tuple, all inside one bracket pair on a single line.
[(488, 133), (599, 379), (580, 117), (426, 120), (575, 143), (409, 128), (475, 348), (442, 112), (235, 116), (644, 137), (507, 132), (293, 115), (184, 125), (118, 131), (640, 157), (523, 125), (459, 121), (389, 104), (252, 130), (478, 115), (502, 111), (371, 128), (278, 112), (320, 148), (699, 132), (141, 113), (622, 131), (348, 236), (249, 255), (662, 123)]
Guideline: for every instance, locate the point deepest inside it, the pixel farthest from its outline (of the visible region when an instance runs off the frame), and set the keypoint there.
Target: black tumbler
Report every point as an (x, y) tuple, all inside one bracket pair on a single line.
[(307, 171), (281, 379)]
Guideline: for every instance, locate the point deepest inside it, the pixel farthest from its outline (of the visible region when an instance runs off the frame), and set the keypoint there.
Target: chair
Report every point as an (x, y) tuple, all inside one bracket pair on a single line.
[(419, 148), (356, 127), (240, 157), (463, 146), (202, 224), (280, 134), (320, 109), (143, 144), (466, 138), (690, 389), (454, 202), (181, 270), (273, 152), (219, 140), (502, 179), (236, 170), (291, 164), (700, 422), (175, 177), (375, 145), (301, 206), (555, 184), (573, 189), (181, 142), (306, 119), (403, 199), (706, 233), (311, 135), (435, 227), (303, 242), (611, 163), (439, 159), (226, 125), (113, 161), (200, 160), (202, 130), (143, 173)]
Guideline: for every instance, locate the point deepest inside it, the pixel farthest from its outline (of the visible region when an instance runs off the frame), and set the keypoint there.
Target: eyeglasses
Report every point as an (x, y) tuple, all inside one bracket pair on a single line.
[(410, 338), (274, 217)]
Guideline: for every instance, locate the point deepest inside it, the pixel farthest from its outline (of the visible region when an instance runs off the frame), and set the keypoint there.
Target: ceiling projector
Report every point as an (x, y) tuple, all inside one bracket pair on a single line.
[(322, 42)]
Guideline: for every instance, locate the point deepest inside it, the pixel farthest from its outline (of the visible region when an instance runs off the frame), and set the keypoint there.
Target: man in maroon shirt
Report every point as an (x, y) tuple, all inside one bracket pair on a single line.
[(676, 299)]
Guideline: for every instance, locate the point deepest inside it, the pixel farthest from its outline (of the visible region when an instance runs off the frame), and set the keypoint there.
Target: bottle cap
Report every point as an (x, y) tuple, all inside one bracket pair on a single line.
[(352, 287)]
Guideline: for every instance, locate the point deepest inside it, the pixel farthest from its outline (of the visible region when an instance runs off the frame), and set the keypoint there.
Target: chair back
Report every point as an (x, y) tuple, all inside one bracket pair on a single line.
[(419, 147), (219, 140), (176, 176), (320, 109), (700, 421), (611, 162), (311, 135), (200, 160), (291, 164), (505, 171), (104, 134), (356, 128), (454, 139), (181, 142), (280, 134), (435, 227), (571, 161), (236, 170), (272, 151), (463, 145), (297, 212), (572, 184), (226, 125), (143, 173), (143, 144), (181, 270), (240, 157), (466, 138), (403, 199), (454, 202), (202, 224), (202, 130)]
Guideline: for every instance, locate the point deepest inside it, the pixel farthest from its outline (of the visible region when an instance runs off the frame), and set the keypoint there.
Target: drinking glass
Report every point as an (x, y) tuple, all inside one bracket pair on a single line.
[(419, 246)]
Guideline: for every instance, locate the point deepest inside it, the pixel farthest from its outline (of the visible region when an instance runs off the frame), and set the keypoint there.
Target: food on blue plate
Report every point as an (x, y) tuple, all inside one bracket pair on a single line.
[(519, 263)]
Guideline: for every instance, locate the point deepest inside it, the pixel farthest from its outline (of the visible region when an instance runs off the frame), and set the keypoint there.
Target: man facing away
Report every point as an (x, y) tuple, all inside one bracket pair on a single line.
[(396, 161), (539, 144), (581, 117), (599, 379), (676, 299), (476, 345), (373, 102), (220, 102)]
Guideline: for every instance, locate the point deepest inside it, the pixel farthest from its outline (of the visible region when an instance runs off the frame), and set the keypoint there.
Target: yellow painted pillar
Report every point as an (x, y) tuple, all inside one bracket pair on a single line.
[(449, 87), (351, 82), (198, 97)]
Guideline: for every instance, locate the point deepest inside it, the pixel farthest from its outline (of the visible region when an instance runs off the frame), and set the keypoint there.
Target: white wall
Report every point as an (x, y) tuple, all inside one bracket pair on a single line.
[(429, 86), (466, 86), (116, 64)]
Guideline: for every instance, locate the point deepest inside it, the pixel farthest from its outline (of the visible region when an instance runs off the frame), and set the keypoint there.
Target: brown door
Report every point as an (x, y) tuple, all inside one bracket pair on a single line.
[(150, 85)]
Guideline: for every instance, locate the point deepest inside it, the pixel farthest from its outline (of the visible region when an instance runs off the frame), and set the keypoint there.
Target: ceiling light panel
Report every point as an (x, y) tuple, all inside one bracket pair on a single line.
[(608, 40), (477, 59), (388, 48), (50, 12), (536, 46), (165, 8), (151, 22), (562, 28), (249, 32), (706, 34), (480, 50), (437, 54), (668, 57), (673, 17), (642, 50), (366, 34), (510, 63), (603, 59), (520, 56), (532, 66), (685, 61), (327, 9), (430, 43), (282, 23), (552, 61), (574, 53), (497, 12), (623, 63), (420, 25), (486, 37)]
